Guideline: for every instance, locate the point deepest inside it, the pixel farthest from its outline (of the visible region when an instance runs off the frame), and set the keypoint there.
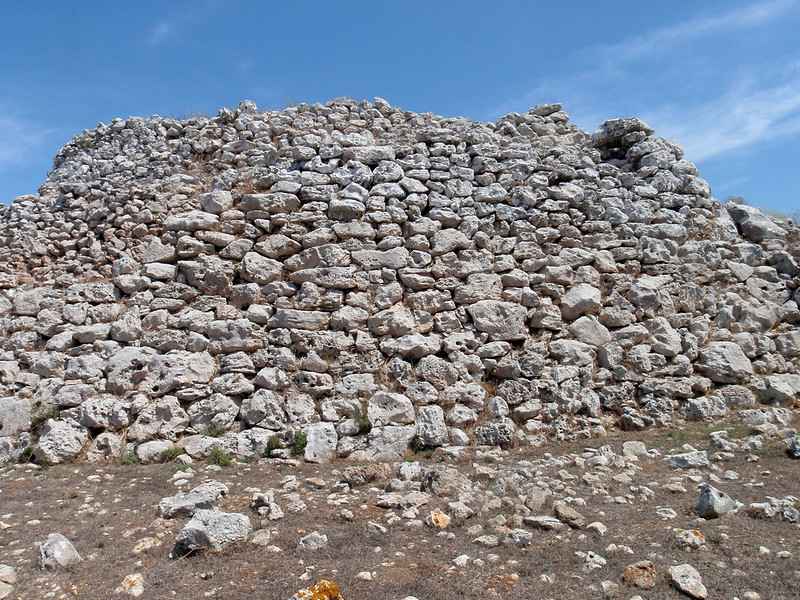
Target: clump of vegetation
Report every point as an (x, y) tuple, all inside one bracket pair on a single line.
[(299, 443), (39, 417), (171, 454), (27, 455), (362, 420), (214, 430), (417, 451), (274, 443), (417, 444), (129, 458), (220, 457)]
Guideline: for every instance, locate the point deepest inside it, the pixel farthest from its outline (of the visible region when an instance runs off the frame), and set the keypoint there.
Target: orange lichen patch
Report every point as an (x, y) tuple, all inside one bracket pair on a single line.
[(641, 574), (690, 539), (324, 589), (438, 519)]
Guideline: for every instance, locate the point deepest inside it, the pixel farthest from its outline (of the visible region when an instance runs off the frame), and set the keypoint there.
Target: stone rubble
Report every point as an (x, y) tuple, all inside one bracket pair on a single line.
[(586, 515), (8, 577), (374, 279)]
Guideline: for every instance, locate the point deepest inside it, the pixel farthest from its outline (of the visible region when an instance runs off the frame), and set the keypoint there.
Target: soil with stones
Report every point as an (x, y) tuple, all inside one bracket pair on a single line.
[(480, 523)]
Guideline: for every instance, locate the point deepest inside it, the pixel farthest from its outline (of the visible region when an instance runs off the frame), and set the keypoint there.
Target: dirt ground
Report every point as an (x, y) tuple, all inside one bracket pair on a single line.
[(107, 510)]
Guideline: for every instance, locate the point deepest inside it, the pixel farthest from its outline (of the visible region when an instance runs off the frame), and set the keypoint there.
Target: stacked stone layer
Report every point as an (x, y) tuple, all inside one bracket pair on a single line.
[(380, 279)]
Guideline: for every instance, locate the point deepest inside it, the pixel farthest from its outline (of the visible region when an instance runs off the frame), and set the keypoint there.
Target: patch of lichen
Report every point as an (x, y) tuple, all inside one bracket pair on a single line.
[(324, 589)]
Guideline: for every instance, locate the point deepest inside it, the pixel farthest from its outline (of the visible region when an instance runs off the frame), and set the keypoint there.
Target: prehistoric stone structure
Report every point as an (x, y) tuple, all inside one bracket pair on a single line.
[(380, 279)]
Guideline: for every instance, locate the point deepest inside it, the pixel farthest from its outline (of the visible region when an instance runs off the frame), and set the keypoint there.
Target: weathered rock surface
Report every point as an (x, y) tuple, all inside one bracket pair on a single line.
[(185, 504), (686, 579), (212, 530), (58, 552), (713, 503)]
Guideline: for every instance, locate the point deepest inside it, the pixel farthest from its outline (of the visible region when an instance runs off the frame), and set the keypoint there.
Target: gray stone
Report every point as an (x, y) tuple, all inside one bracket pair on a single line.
[(754, 224), (780, 389), (713, 503), (496, 433), (387, 408), (580, 300), (193, 220), (60, 441), (299, 319), (788, 344), (689, 460), (215, 413), (15, 416), (163, 417), (259, 269), (216, 202), (431, 427), (633, 448), (153, 451), (57, 552), (321, 441), (313, 541), (211, 530), (105, 447), (794, 447), (185, 504), (686, 579), (589, 330), (503, 321), (725, 362)]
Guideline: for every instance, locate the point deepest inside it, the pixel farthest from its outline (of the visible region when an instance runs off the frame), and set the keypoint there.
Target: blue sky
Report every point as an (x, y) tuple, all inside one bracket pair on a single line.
[(721, 78)]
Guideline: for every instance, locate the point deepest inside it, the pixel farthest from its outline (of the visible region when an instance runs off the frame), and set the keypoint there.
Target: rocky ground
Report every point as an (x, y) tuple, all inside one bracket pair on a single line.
[(615, 517)]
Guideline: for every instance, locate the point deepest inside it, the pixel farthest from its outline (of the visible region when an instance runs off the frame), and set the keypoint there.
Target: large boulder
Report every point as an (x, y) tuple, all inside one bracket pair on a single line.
[(259, 269), (388, 408), (321, 439), (213, 414), (780, 389), (193, 220), (211, 530), (60, 440), (153, 451), (754, 224), (431, 427), (581, 300), (57, 552), (185, 504), (713, 503), (15, 416), (503, 321), (161, 418), (788, 344), (589, 330), (725, 362)]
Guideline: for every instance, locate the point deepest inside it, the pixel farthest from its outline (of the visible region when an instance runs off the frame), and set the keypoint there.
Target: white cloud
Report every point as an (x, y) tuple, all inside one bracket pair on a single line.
[(752, 110), (159, 33), (176, 22), (18, 138), (659, 40), (753, 103)]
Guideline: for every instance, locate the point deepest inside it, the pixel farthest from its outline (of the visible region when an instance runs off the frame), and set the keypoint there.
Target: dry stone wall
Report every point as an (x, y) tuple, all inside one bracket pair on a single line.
[(377, 279)]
